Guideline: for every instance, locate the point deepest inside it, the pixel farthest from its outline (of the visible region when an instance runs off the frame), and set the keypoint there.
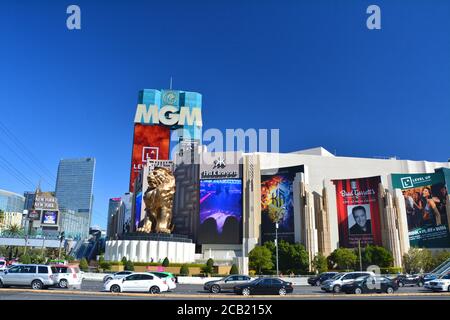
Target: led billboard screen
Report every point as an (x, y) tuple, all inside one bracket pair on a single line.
[(425, 202), (49, 217), (277, 203), (149, 142), (220, 211), (137, 209), (358, 211)]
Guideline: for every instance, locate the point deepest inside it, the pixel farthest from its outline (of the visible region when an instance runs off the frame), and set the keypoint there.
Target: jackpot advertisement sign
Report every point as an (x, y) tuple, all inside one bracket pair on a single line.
[(149, 143), (277, 204), (426, 197), (49, 217), (220, 211), (358, 211)]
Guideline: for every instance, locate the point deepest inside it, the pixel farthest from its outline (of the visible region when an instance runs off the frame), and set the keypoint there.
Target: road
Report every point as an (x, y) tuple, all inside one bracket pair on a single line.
[(91, 290)]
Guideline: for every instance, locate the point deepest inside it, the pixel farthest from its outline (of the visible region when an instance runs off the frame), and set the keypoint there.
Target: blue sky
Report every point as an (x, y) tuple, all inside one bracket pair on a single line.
[(310, 68)]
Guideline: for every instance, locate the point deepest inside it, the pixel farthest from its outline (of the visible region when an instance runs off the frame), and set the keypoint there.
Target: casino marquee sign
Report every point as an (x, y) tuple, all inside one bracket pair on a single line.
[(224, 165)]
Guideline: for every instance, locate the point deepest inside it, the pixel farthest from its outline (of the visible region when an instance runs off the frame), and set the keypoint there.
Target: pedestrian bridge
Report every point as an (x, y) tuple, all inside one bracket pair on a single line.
[(32, 242)]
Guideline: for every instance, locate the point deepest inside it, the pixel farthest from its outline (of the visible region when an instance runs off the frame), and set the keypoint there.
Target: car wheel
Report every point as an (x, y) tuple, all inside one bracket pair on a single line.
[(155, 290), (282, 292), (420, 284), (358, 291), (448, 288), (37, 285), (215, 289), (63, 283), (246, 292), (337, 288), (317, 283), (390, 290), (115, 288)]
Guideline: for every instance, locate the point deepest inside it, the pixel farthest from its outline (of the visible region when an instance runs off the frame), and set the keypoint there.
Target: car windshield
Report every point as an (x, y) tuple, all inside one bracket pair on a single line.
[(447, 276), (337, 276)]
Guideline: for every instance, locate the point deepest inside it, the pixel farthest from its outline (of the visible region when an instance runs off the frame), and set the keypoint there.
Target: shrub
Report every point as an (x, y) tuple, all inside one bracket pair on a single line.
[(124, 260), (209, 267), (391, 270), (320, 263), (84, 266), (260, 258), (234, 269), (105, 265), (184, 270), (342, 258), (166, 262), (129, 266), (25, 259), (376, 255)]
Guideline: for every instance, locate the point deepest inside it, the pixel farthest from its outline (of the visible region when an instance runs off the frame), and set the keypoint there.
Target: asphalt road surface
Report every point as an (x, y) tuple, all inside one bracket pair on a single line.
[(92, 290)]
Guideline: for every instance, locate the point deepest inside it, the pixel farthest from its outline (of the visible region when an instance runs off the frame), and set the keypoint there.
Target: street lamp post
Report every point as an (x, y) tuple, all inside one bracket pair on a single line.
[(276, 244)]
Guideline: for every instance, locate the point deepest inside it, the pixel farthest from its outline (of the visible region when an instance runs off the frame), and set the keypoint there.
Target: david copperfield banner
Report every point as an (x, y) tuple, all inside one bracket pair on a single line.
[(425, 201), (358, 211)]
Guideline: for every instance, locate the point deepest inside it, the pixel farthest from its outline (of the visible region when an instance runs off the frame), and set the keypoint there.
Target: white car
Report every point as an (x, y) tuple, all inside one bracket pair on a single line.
[(137, 282), (3, 265), (69, 277), (441, 284), (117, 275)]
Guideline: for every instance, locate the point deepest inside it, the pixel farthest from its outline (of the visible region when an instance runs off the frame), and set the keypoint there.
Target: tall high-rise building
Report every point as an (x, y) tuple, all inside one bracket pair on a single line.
[(29, 199), (74, 186), (113, 209)]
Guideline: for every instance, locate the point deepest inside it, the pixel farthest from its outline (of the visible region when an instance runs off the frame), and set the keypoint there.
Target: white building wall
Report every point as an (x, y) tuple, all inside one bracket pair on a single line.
[(144, 251)]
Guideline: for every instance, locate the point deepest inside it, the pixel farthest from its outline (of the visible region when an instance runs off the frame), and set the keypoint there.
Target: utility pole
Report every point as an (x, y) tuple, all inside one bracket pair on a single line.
[(61, 239), (360, 260)]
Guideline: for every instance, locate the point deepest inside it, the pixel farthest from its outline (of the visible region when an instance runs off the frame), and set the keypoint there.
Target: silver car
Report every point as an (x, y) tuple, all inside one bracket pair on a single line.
[(335, 283), (227, 283), (36, 276)]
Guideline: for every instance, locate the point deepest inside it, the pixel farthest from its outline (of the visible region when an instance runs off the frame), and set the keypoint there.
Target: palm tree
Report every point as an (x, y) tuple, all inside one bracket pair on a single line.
[(14, 230), (2, 218)]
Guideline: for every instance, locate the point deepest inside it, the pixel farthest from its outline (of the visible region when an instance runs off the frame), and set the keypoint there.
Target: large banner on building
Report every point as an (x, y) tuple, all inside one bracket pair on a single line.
[(220, 211), (425, 201), (150, 142), (358, 211), (277, 203)]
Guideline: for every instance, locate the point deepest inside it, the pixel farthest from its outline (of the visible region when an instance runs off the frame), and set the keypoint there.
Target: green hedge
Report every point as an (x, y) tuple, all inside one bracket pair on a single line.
[(391, 270)]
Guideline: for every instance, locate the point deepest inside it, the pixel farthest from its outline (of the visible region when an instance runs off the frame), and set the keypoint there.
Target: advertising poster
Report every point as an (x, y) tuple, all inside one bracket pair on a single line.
[(49, 217), (220, 211), (425, 196), (149, 142), (358, 211), (277, 203), (137, 209)]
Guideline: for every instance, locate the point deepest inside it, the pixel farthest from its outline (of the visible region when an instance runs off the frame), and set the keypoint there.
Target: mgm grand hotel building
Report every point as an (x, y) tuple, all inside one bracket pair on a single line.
[(224, 204)]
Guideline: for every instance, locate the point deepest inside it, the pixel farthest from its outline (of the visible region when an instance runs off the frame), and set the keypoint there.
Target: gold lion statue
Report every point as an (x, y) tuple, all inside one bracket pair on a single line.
[(158, 201)]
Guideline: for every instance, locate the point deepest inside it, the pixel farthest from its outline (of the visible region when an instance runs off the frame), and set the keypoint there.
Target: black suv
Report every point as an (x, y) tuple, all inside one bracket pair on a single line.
[(318, 279)]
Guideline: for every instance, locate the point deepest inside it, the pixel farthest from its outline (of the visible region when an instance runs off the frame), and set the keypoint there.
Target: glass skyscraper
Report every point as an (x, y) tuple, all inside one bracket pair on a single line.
[(11, 202), (74, 186)]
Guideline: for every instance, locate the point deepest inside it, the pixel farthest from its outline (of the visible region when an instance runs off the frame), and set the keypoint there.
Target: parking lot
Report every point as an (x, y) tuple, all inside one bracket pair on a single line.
[(92, 290)]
